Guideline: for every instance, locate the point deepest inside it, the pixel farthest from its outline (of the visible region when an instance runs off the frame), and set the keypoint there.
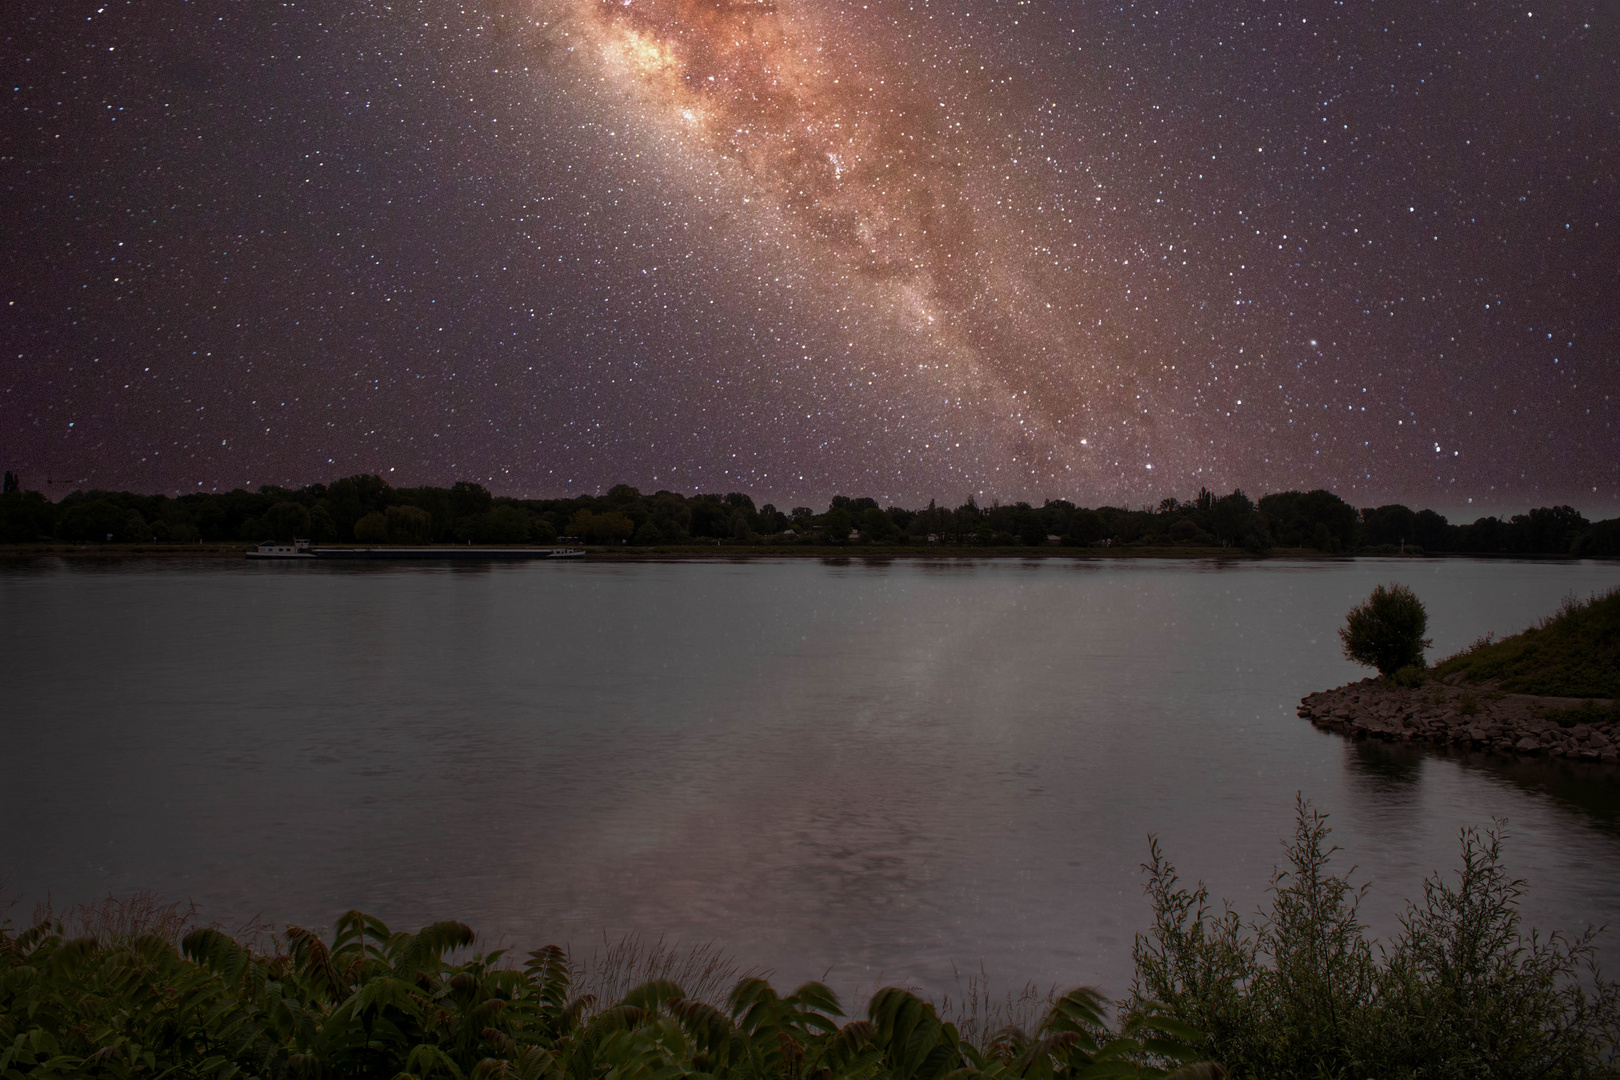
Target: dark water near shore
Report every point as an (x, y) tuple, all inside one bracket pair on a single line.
[(869, 771)]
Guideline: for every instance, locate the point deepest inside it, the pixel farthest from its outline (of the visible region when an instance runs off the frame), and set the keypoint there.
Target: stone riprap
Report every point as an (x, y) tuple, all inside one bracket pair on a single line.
[(1463, 716)]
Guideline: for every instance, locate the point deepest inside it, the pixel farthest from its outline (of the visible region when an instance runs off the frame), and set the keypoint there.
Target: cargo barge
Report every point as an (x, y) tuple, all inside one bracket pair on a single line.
[(303, 549)]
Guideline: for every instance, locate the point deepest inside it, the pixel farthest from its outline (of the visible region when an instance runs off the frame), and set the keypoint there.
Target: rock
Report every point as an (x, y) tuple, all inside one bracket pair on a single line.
[(1509, 724)]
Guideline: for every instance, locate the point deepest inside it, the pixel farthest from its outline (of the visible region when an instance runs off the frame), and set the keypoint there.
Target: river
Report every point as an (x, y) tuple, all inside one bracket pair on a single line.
[(872, 772)]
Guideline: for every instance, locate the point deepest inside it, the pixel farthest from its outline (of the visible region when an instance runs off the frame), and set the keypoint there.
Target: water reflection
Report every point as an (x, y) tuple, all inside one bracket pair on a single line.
[(1390, 771), (1589, 790), (1387, 769)]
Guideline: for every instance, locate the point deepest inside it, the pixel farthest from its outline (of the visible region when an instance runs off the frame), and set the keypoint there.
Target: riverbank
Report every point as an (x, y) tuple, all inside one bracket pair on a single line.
[(1478, 717), (671, 552)]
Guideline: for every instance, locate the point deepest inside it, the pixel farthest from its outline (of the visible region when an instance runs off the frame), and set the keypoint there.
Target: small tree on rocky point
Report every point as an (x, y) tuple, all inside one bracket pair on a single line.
[(1386, 630)]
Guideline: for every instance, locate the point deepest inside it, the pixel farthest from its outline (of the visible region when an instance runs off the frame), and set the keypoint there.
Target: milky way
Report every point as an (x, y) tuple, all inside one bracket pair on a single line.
[(1107, 252)]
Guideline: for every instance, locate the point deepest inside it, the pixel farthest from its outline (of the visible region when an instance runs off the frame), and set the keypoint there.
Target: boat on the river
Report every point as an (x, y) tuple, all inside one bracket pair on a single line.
[(303, 549), (449, 551), (272, 549)]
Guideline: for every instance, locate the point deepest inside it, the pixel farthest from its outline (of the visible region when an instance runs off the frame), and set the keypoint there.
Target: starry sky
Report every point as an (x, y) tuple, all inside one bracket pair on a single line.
[(1014, 249)]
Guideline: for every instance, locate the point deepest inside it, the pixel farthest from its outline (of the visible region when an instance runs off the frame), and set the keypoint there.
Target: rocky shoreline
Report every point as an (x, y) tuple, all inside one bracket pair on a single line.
[(1442, 714)]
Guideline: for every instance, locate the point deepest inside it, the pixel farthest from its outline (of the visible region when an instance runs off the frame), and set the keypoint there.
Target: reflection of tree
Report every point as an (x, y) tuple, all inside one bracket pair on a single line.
[(1386, 768), (1590, 791)]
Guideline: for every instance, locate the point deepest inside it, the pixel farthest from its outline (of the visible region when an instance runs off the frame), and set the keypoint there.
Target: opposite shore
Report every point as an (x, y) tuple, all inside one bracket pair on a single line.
[(729, 551)]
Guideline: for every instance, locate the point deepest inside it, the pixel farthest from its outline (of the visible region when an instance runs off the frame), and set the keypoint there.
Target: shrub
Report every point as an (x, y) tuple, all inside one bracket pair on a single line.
[(1411, 675), (1588, 713), (1386, 631), (1301, 991)]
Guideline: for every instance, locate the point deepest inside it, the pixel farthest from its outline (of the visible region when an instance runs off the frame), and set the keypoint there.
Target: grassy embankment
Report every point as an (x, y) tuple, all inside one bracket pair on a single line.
[(1572, 653)]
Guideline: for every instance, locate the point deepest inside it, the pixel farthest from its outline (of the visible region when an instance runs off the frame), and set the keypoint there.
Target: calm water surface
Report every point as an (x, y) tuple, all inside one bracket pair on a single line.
[(867, 771)]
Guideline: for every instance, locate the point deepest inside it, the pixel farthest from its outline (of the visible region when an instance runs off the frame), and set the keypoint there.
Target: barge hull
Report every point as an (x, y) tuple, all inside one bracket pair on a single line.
[(479, 554)]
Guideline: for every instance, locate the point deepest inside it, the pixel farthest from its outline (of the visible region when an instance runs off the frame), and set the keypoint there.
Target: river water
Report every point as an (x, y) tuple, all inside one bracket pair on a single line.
[(870, 772)]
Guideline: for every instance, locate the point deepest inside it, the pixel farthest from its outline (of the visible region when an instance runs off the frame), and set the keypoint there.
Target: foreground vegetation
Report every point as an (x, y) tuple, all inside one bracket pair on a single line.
[(374, 1002), (366, 509), (1301, 991), (1298, 991), (1573, 653)]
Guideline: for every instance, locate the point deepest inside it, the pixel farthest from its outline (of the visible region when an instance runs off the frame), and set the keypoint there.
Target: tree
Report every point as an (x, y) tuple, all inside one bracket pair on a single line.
[(878, 528), (92, 519), (1032, 530), (608, 528), (709, 518), (1547, 529), (504, 525), (1431, 531), (838, 524), (1086, 527), (1393, 524), (409, 525), (468, 499), (1236, 521), (287, 520), (1318, 519), (1386, 630), (371, 529)]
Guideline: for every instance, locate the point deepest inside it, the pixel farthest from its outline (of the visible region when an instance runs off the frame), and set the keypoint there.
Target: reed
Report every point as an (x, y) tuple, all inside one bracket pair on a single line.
[(705, 972), (981, 1015), (119, 920)]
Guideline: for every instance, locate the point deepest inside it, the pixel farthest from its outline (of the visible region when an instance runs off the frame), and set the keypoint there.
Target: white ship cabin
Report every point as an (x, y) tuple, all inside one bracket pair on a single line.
[(272, 549)]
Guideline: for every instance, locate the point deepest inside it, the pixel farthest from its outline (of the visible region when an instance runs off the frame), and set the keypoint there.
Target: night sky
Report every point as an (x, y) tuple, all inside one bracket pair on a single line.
[(911, 249)]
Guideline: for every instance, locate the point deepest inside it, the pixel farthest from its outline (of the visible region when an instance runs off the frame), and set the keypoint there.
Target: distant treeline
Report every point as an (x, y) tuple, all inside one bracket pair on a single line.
[(366, 509)]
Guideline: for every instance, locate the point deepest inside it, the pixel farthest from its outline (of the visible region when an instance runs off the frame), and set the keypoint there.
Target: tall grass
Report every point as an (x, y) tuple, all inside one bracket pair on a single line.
[(119, 920), (981, 1015), (705, 972)]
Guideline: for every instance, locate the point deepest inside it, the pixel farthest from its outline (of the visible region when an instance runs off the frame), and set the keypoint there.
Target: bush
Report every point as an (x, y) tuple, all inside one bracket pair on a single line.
[(1411, 676), (1590, 713), (1386, 631), (1301, 991)]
